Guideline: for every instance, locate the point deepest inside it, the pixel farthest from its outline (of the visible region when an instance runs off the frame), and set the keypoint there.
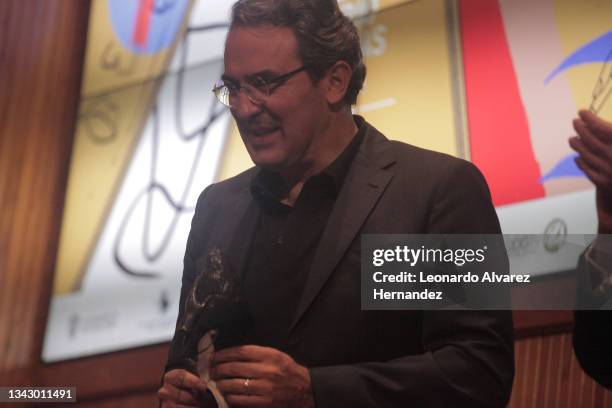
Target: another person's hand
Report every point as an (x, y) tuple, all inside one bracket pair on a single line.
[(182, 389), (254, 376), (594, 147)]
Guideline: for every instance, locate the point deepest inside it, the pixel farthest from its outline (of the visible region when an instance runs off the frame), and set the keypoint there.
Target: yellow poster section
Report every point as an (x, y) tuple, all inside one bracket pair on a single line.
[(408, 90), (384, 4), (117, 92), (364, 7), (408, 93), (580, 22)]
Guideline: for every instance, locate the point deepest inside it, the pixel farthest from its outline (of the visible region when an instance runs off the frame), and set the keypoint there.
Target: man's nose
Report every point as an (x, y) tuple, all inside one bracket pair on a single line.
[(245, 107)]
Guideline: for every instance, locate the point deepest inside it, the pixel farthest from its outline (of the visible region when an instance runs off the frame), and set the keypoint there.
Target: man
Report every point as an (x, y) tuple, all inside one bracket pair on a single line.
[(292, 227), (593, 329)]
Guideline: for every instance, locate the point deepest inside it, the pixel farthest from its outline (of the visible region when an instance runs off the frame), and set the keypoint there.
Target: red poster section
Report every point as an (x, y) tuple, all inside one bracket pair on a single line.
[(499, 134)]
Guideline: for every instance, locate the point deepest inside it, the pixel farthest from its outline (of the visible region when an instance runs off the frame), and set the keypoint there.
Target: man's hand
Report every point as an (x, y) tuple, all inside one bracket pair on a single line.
[(594, 146), (253, 376), (182, 389)]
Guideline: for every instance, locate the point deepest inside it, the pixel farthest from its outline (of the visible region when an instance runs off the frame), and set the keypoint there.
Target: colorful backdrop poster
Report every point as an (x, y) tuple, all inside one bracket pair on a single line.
[(497, 82)]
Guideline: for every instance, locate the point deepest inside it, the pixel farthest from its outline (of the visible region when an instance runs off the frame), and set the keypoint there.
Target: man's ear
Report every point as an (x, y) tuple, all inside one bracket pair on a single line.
[(338, 79)]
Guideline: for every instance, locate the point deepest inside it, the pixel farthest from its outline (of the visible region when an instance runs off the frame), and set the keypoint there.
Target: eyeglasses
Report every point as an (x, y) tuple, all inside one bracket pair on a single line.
[(257, 90)]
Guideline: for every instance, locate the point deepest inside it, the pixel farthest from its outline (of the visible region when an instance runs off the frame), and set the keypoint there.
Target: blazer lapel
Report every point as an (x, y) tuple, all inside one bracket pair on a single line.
[(363, 187), (234, 235)]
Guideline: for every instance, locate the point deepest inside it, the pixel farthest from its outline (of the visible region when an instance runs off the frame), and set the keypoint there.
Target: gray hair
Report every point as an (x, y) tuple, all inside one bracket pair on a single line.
[(324, 34)]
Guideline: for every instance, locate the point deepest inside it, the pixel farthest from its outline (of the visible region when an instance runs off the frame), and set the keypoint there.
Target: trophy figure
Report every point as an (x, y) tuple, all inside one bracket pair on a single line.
[(215, 316)]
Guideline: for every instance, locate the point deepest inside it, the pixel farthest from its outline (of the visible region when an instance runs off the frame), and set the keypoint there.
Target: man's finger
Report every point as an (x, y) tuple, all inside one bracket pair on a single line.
[(601, 128), (248, 401), (239, 386), (243, 353), (183, 379), (169, 393), (598, 179), (180, 387), (593, 160), (240, 370), (592, 142)]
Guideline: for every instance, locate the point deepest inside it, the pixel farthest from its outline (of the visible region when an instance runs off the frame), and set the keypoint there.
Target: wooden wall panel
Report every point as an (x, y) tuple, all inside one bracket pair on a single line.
[(549, 376), (42, 45), (135, 400), (529, 323), (110, 375)]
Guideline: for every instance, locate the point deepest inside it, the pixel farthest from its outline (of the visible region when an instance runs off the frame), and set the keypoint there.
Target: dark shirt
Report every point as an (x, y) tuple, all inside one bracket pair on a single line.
[(284, 244)]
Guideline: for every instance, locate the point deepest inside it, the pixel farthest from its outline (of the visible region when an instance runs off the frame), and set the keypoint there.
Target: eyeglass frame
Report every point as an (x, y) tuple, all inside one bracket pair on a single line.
[(272, 85)]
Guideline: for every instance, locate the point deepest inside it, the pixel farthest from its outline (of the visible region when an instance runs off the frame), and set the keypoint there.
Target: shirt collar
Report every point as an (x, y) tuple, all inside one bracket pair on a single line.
[(267, 186)]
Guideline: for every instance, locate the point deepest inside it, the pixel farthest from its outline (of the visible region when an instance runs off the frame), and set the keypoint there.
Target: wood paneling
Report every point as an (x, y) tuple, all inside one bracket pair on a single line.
[(114, 374), (529, 323), (133, 400), (549, 376), (42, 45)]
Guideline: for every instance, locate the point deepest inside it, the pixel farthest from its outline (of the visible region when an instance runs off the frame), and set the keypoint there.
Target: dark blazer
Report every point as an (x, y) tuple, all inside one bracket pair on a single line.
[(592, 343), (378, 358), (592, 336)]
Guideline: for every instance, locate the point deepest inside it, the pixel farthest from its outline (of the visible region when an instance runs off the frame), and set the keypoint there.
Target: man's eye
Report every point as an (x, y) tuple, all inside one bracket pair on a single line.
[(231, 88), (259, 83)]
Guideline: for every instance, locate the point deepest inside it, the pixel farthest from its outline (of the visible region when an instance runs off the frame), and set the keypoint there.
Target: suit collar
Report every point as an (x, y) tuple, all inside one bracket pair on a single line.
[(365, 182), (368, 177), (376, 148), (238, 230)]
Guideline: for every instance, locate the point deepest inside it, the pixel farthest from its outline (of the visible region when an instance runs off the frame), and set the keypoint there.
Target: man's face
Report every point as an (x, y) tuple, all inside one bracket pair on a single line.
[(282, 133)]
